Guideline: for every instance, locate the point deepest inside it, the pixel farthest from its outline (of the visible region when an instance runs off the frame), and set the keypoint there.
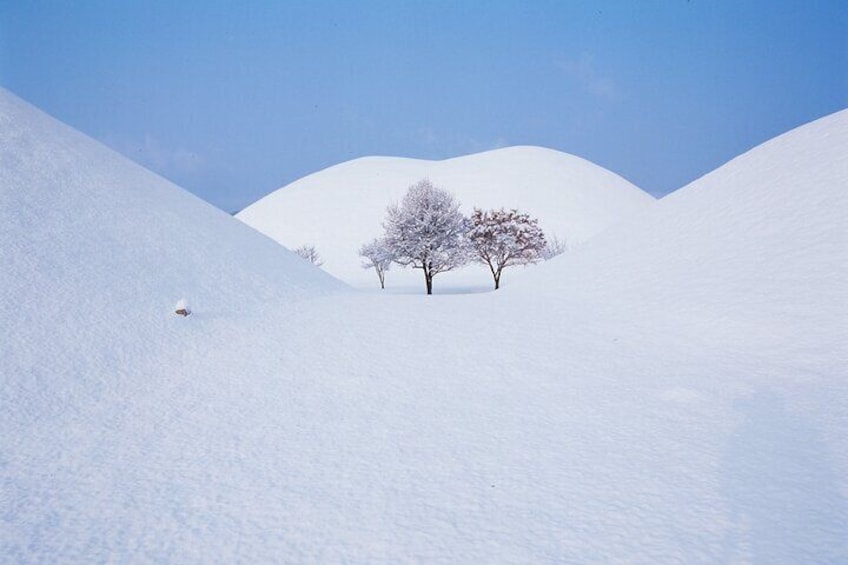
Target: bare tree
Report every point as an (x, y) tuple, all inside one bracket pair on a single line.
[(504, 238), (309, 253), (427, 231), (554, 247), (378, 257)]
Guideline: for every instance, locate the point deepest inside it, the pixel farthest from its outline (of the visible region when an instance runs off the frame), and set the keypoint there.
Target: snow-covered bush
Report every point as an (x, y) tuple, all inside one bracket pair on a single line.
[(377, 256), (427, 231), (309, 253), (503, 238)]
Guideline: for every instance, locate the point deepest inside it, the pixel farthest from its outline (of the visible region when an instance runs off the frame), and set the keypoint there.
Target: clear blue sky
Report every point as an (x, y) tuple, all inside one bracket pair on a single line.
[(232, 100)]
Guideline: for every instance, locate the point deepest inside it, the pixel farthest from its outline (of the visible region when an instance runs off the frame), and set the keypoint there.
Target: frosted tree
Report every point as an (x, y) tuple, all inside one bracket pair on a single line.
[(309, 253), (427, 231), (503, 238), (376, 255)]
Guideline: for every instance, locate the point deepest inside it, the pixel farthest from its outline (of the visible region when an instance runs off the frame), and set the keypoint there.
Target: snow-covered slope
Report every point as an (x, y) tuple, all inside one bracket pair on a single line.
[(85, 231), (679, 399), (95, 253), (764, 233), (342, 207), (725, 307)]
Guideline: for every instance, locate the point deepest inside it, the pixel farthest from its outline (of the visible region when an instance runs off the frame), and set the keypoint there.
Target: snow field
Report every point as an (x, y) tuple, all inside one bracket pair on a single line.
[(673, 391)]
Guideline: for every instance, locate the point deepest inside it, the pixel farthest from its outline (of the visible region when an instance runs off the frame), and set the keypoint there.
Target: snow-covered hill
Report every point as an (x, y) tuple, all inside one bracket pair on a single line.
[(95, 253), (673, 391), (79, 217), (765, 232), (731, 294), (340, 208), (724, 308)]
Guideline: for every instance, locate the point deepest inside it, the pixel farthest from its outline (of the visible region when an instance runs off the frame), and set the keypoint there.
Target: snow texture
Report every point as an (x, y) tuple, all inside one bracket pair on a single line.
[(673, 391), (342, 207)]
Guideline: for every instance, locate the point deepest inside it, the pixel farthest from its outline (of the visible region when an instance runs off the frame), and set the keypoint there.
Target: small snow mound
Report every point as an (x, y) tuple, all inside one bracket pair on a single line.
[(182, 308)]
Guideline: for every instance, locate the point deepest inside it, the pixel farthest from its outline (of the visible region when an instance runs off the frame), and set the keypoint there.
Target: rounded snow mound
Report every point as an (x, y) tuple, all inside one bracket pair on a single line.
[(96, 250), (342, 207), (764, 234)]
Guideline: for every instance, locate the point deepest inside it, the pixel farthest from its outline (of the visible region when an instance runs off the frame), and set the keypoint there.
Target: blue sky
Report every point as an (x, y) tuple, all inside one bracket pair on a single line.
[(232, 100)]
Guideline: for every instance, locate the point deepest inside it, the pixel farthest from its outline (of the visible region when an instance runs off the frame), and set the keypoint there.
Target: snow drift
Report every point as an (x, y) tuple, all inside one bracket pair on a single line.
[(673, 391), (342, 207)]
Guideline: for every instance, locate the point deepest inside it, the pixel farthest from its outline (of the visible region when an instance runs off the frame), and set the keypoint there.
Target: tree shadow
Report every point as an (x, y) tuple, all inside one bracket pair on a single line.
[(780, 486)]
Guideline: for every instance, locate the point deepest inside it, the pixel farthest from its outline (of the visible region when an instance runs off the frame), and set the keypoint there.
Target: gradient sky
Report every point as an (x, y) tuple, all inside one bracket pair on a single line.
[(232, 100)]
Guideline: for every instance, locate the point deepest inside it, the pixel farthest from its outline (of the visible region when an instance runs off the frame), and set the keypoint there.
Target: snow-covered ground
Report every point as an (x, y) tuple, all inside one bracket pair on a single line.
[(342, 207), (673, 391)]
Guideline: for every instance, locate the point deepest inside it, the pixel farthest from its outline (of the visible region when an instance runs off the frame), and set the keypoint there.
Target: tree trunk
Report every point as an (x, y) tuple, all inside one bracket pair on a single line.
[(496, 273), (428, 280)]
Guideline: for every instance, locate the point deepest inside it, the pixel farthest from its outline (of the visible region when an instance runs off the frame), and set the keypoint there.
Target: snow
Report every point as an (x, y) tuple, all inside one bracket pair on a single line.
[(672, 391), (342, 207)]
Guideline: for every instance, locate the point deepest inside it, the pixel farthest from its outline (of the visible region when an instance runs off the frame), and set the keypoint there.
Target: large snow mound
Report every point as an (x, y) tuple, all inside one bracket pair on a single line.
[(765, 234), (96, 252), (342, 207), (78, 215)]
